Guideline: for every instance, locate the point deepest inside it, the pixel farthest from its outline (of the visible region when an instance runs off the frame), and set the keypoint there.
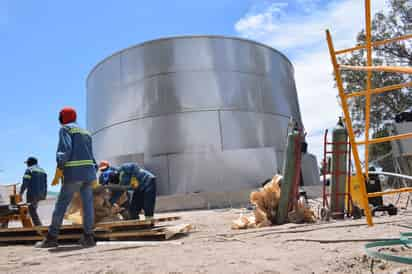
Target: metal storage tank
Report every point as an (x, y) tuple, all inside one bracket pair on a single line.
[(204, 113)]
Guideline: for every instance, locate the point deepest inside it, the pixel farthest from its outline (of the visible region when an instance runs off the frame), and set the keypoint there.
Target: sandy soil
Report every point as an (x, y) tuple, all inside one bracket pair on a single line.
[(215, 248)]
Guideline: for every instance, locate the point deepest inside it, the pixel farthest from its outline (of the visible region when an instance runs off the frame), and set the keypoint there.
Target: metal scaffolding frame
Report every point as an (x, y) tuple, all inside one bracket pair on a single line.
[(344, 96)]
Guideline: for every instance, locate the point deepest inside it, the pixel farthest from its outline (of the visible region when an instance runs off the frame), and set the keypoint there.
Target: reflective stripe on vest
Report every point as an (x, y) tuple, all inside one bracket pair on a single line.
[(121, 176), (40, 170), (79, 163), (74, 130), (27, 177)]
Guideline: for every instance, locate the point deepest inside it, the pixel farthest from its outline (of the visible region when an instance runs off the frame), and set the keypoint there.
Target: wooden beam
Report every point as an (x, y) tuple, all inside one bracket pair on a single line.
[(129, 223)]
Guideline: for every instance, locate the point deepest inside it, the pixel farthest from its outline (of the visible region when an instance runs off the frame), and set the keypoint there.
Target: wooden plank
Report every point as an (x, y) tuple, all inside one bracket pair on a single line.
[(177, 229), (130, 228), (127, 223), (38, 228), (99, 236), (166, 232), (130, 223), (37, 238), (134, 223), (130, 234)]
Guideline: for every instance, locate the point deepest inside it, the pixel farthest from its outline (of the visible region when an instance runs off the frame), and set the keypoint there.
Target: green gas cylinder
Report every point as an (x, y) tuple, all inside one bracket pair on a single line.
[(289, 173), (339, 170)]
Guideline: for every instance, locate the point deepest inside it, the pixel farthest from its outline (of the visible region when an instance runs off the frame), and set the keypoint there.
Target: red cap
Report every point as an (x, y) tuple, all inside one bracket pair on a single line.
[(67, 115)]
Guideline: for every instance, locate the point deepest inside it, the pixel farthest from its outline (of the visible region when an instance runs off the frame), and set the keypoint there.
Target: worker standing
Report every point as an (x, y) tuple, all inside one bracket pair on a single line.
[(144, 184), (77, 169), (35, 182)]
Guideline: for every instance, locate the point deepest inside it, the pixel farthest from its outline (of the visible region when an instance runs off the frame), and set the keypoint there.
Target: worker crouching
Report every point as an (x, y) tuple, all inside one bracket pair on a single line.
[(110, 175), (76, 168), (142, 183)]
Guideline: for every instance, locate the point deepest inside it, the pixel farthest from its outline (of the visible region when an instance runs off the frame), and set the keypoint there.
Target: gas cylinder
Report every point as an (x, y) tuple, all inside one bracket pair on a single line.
[(289, 173), (339, 170)]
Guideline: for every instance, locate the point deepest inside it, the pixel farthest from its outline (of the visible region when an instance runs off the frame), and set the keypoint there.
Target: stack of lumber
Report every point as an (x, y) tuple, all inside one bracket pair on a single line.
[(121, 230)]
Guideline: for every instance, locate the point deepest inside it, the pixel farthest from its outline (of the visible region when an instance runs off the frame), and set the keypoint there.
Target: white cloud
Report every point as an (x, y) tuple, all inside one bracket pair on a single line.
[(285, 28), (256, 24), (301, 35)]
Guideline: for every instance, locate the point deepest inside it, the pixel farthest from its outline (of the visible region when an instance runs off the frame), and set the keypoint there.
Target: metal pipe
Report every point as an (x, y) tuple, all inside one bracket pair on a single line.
[(402, 176)]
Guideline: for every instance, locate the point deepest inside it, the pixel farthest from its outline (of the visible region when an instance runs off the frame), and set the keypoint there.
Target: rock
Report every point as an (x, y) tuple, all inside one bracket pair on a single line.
[(382, 266), (394, 250)]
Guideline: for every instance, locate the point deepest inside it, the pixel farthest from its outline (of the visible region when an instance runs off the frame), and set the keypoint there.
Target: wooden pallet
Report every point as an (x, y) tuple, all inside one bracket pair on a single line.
[(163, 233), (103, 231), (128, 223)]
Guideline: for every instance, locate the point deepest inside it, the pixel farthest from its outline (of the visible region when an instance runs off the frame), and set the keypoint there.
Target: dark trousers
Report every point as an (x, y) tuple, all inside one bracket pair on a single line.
[(33, 212), (143, 198)]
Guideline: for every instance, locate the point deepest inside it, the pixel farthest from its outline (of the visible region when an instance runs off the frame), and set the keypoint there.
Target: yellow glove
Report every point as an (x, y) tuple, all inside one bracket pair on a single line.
[(134, 182), (95, 184), (57, 176)]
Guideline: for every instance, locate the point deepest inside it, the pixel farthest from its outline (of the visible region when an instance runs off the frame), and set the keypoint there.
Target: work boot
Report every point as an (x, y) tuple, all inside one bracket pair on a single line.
[(87, 240), (48, 242)]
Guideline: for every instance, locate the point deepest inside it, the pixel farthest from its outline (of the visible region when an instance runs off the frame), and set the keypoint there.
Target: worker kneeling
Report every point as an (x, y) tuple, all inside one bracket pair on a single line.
[(143, 184)]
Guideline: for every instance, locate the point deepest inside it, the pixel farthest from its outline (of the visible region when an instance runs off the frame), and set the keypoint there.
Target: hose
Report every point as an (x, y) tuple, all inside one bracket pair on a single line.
[(403, 240)]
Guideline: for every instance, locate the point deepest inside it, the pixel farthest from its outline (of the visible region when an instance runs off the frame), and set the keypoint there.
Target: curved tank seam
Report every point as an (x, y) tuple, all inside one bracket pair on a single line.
[(179, 112), (217, 151), (154, 75), (191, 152)]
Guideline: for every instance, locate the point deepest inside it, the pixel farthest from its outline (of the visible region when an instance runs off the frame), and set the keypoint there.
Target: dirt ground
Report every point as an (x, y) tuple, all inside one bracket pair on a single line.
[(214, 248)]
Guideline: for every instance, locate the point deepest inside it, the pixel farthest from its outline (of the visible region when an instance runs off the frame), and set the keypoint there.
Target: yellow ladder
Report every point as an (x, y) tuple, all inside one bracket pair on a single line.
[(344, 96)]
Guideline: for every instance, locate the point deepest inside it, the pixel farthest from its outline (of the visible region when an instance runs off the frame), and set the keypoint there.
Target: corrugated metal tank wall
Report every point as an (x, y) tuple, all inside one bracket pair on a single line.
[(206, 113)]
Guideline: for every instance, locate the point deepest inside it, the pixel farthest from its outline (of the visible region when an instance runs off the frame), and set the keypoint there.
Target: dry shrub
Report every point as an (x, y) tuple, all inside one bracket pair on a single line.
[(301, 214), (266, 201)]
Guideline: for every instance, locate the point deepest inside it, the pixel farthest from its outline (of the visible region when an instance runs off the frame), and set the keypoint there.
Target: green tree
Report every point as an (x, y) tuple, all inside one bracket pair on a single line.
[(395, 21)]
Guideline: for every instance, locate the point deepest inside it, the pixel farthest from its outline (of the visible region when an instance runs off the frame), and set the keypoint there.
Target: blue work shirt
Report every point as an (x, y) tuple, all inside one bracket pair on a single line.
[(107, 176), (35, 182), (128, 170), (75, 154)]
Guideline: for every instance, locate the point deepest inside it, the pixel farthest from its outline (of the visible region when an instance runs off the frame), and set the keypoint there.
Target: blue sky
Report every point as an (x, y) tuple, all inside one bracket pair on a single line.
[(47, 49)]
